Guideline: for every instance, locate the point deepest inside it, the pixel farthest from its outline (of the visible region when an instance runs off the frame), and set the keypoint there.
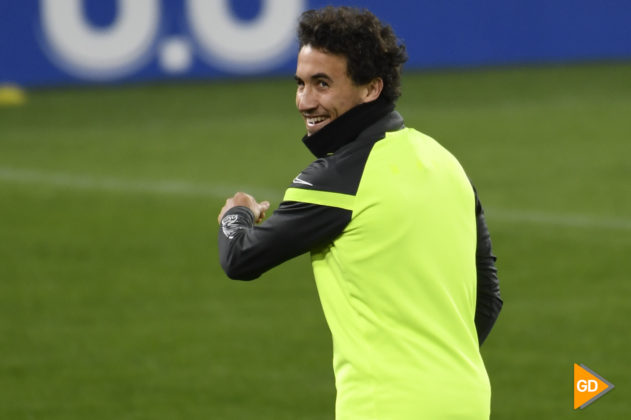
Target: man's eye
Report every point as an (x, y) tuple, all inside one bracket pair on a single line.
[(323, 84)]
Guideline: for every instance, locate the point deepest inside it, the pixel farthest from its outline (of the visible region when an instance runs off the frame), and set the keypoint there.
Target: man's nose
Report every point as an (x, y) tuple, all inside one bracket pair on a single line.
[(306, 100)]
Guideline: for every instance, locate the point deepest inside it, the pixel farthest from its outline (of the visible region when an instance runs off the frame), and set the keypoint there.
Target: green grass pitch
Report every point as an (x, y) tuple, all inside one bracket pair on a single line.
[(113, 304)]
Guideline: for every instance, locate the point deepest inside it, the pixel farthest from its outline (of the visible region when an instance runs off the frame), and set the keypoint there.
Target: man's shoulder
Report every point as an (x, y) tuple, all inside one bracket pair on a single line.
[(341, 172), (338, 173), (322, 175)]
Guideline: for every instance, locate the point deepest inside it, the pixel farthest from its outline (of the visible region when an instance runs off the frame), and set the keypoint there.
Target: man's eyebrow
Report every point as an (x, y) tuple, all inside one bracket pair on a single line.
[(321, 76), (314, 77)]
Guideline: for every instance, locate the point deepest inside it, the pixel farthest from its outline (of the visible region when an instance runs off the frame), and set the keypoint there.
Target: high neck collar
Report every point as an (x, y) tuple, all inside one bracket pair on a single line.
[(346, 127)]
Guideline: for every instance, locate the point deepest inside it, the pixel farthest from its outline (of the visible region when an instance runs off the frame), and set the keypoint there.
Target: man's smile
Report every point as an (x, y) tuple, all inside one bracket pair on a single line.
[(315, 122)]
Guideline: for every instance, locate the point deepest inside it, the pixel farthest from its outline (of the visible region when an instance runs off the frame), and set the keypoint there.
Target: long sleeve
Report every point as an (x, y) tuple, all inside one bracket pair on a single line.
[(489, 301), (246, 250)]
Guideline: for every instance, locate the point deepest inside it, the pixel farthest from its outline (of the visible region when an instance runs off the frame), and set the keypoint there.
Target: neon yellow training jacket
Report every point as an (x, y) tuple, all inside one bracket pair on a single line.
[(402, 261)]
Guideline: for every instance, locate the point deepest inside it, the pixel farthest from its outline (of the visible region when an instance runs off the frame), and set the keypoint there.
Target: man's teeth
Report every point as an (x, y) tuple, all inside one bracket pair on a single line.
[(315, 120)]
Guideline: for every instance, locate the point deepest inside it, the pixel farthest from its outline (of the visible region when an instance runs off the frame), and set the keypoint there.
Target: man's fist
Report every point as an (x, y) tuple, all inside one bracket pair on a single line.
[(245, 200)]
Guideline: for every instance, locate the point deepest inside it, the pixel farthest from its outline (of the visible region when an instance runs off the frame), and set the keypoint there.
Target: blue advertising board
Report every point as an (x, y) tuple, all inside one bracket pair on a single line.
[(52, 42)]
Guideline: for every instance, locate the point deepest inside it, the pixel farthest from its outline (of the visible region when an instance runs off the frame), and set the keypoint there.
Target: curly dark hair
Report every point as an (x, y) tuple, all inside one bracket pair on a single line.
[(371, 48)]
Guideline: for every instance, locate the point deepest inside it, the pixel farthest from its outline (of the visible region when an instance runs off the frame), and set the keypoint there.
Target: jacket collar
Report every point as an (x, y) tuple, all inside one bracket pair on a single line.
[(347, 127)]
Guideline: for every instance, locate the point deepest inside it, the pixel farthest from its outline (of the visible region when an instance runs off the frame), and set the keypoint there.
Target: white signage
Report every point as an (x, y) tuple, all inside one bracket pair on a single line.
[(217, 37)]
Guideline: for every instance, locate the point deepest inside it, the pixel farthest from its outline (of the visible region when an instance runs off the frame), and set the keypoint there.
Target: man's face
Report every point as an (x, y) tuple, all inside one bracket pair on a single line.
[(325, 90)]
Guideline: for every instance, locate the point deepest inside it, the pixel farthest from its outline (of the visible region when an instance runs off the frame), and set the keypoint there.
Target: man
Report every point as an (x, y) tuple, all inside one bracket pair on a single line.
[(400, 249)]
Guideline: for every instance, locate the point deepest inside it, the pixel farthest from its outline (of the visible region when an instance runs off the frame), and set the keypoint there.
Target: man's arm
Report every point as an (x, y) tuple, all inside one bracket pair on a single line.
[(489, 301), (247, 250)]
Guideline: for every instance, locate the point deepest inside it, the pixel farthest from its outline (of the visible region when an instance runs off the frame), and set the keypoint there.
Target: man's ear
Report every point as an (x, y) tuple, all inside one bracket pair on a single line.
[(373, 89)]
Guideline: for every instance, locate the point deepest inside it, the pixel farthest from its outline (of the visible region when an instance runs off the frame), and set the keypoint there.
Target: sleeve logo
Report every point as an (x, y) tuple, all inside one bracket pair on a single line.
[(230, 225)]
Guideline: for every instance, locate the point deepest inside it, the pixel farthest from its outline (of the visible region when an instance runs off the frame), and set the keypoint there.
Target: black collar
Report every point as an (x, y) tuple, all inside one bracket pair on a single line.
[(347, 127)]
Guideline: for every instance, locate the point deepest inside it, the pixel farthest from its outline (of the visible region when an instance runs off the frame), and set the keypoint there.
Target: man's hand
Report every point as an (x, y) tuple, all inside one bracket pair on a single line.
[(245, 200)]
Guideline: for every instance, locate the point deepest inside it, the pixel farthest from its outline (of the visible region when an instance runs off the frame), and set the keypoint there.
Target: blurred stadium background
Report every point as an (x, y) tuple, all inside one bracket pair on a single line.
[(140, 117)]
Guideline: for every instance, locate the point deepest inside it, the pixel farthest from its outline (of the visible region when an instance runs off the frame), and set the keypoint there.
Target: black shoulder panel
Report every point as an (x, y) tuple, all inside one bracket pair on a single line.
[(342, 171)]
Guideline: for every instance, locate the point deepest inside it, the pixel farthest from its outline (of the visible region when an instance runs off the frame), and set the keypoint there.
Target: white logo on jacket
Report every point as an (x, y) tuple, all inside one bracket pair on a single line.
[(230, 225), (297, 180)]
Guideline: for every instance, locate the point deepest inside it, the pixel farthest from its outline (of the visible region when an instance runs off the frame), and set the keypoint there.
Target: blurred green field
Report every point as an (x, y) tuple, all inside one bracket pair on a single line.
[(113, 304)]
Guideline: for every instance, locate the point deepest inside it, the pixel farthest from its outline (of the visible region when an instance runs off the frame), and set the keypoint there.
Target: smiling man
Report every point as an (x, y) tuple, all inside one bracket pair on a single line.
[(400, 249)]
